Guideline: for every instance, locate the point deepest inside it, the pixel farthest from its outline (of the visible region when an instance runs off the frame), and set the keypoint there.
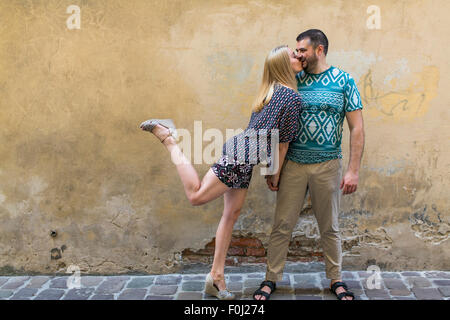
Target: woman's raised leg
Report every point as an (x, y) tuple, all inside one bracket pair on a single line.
[(198, 192), (233, 202)]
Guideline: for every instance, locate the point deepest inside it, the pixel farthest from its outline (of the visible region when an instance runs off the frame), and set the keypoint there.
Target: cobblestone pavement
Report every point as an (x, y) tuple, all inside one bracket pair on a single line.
[(408, 285)]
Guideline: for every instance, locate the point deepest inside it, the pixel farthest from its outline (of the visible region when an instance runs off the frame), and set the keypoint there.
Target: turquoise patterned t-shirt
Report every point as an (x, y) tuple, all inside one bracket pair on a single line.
[(326, 97)]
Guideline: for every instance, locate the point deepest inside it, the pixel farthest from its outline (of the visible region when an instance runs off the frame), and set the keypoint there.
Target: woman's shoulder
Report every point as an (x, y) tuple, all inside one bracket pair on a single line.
[(289, 94)]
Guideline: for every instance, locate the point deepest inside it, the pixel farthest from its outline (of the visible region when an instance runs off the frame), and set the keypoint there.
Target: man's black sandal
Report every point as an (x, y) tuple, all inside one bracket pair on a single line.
[(342, 294), (272, 285)]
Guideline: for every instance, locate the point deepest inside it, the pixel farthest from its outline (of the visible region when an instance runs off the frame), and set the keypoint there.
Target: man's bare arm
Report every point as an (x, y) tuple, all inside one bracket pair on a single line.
[(356, 126)]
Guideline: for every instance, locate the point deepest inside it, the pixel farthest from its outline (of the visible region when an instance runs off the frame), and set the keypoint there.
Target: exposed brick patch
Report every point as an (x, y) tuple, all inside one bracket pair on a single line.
[(246, 243), (257, 252), (251, 250)]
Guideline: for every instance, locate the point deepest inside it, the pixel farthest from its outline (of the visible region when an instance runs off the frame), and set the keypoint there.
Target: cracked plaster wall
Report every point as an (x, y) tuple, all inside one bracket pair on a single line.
[(73, 160)]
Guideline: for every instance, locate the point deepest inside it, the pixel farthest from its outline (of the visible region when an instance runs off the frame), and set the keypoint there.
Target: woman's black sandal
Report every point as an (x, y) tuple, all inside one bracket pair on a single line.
[(336, 285), (272, 285)]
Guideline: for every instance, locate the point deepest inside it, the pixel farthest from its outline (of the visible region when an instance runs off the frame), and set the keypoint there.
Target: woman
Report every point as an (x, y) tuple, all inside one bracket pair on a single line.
[(277, 106)]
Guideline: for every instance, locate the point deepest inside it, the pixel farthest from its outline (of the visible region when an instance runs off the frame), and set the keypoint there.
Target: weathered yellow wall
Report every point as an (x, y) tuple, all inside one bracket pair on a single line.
[(72, 158)]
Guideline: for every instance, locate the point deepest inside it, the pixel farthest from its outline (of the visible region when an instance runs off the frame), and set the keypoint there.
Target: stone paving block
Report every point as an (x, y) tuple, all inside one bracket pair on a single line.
[(234, 278), (24, 293), (307, 297), (163, 290), (38, 281), (377, 293), (445, 291), (6, 293), (411, 274), (358, 292), (111, 285), (15, 282), (3, 280), (306, 284), (364, 274), (349, 275), (141, 282), (197, 278), (437, 274), (252, 283), (50, 294), (286, 281), (193, 286), (246, 269), (442, 283), (59, 283), (420, 282), (427, 293), (168, 280), (235, 286), (404, 298), (103, 297), (284, 289), (399, 292), (91, 281), (395, 284), (353, 284), (190, 296), (79, 294), (132, 294), (256, 276), (390, 275), (325, 283), (151, 297)]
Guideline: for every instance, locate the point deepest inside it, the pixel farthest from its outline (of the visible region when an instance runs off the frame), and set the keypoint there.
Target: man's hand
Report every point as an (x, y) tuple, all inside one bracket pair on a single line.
[(349, 182), (272, 182)]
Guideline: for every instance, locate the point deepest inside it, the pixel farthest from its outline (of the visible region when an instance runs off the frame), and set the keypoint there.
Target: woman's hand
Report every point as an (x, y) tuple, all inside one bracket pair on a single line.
[(272, 182)]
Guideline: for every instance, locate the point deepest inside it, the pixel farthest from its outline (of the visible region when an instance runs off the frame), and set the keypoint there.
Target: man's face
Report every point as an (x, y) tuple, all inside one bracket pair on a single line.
[(306, 53)]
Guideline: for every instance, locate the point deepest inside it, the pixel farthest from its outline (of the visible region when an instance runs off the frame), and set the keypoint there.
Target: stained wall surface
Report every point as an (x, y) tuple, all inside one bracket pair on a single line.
[(73, 160)]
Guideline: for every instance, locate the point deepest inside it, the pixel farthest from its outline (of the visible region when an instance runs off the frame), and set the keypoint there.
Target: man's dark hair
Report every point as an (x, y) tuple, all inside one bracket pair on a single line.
[(316, 37)]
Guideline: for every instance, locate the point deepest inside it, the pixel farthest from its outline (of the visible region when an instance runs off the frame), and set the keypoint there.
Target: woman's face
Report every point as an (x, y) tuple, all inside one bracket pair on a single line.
[(296, 64)]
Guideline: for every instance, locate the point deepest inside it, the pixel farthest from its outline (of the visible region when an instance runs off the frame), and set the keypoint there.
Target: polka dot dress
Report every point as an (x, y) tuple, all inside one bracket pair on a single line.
[(279, 119)]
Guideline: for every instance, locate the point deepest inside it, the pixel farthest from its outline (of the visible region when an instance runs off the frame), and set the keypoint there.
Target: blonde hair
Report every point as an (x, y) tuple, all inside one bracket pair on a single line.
[(277, 69)]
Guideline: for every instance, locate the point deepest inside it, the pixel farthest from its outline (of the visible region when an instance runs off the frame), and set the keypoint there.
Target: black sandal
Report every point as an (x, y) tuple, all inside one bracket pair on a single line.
[(272, 285), (346, 293)]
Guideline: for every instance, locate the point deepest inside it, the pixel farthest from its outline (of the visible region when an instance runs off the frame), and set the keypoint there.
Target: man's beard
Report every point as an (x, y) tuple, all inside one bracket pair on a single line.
[(311, 63)]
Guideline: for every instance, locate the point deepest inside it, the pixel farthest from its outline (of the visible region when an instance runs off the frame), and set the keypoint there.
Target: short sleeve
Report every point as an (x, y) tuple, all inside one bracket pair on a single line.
[(289, 124), (352, 98)]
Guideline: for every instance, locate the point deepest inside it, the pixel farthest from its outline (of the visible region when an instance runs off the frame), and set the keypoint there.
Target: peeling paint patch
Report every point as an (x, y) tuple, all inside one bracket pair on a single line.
[(353, 239), (429, 227), (307, 227)]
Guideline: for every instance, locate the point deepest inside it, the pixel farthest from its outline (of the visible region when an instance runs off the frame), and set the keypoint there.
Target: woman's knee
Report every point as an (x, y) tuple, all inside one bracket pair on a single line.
[(196, 199), (232, 214)]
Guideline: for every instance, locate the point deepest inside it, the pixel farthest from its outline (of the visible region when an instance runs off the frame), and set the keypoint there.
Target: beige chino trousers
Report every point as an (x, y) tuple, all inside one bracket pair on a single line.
[(323, 180)]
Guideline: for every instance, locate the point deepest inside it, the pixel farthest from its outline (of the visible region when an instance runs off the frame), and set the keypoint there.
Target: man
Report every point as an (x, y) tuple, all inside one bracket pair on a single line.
[(314, 162)]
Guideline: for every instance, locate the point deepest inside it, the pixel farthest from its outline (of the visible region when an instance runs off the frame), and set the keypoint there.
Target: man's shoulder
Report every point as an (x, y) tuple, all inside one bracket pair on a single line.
[(338, 72)]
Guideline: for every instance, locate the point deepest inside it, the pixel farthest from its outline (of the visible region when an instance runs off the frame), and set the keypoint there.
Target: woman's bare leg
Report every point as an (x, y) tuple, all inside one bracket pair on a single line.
[(233, 202), (198, 192)]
